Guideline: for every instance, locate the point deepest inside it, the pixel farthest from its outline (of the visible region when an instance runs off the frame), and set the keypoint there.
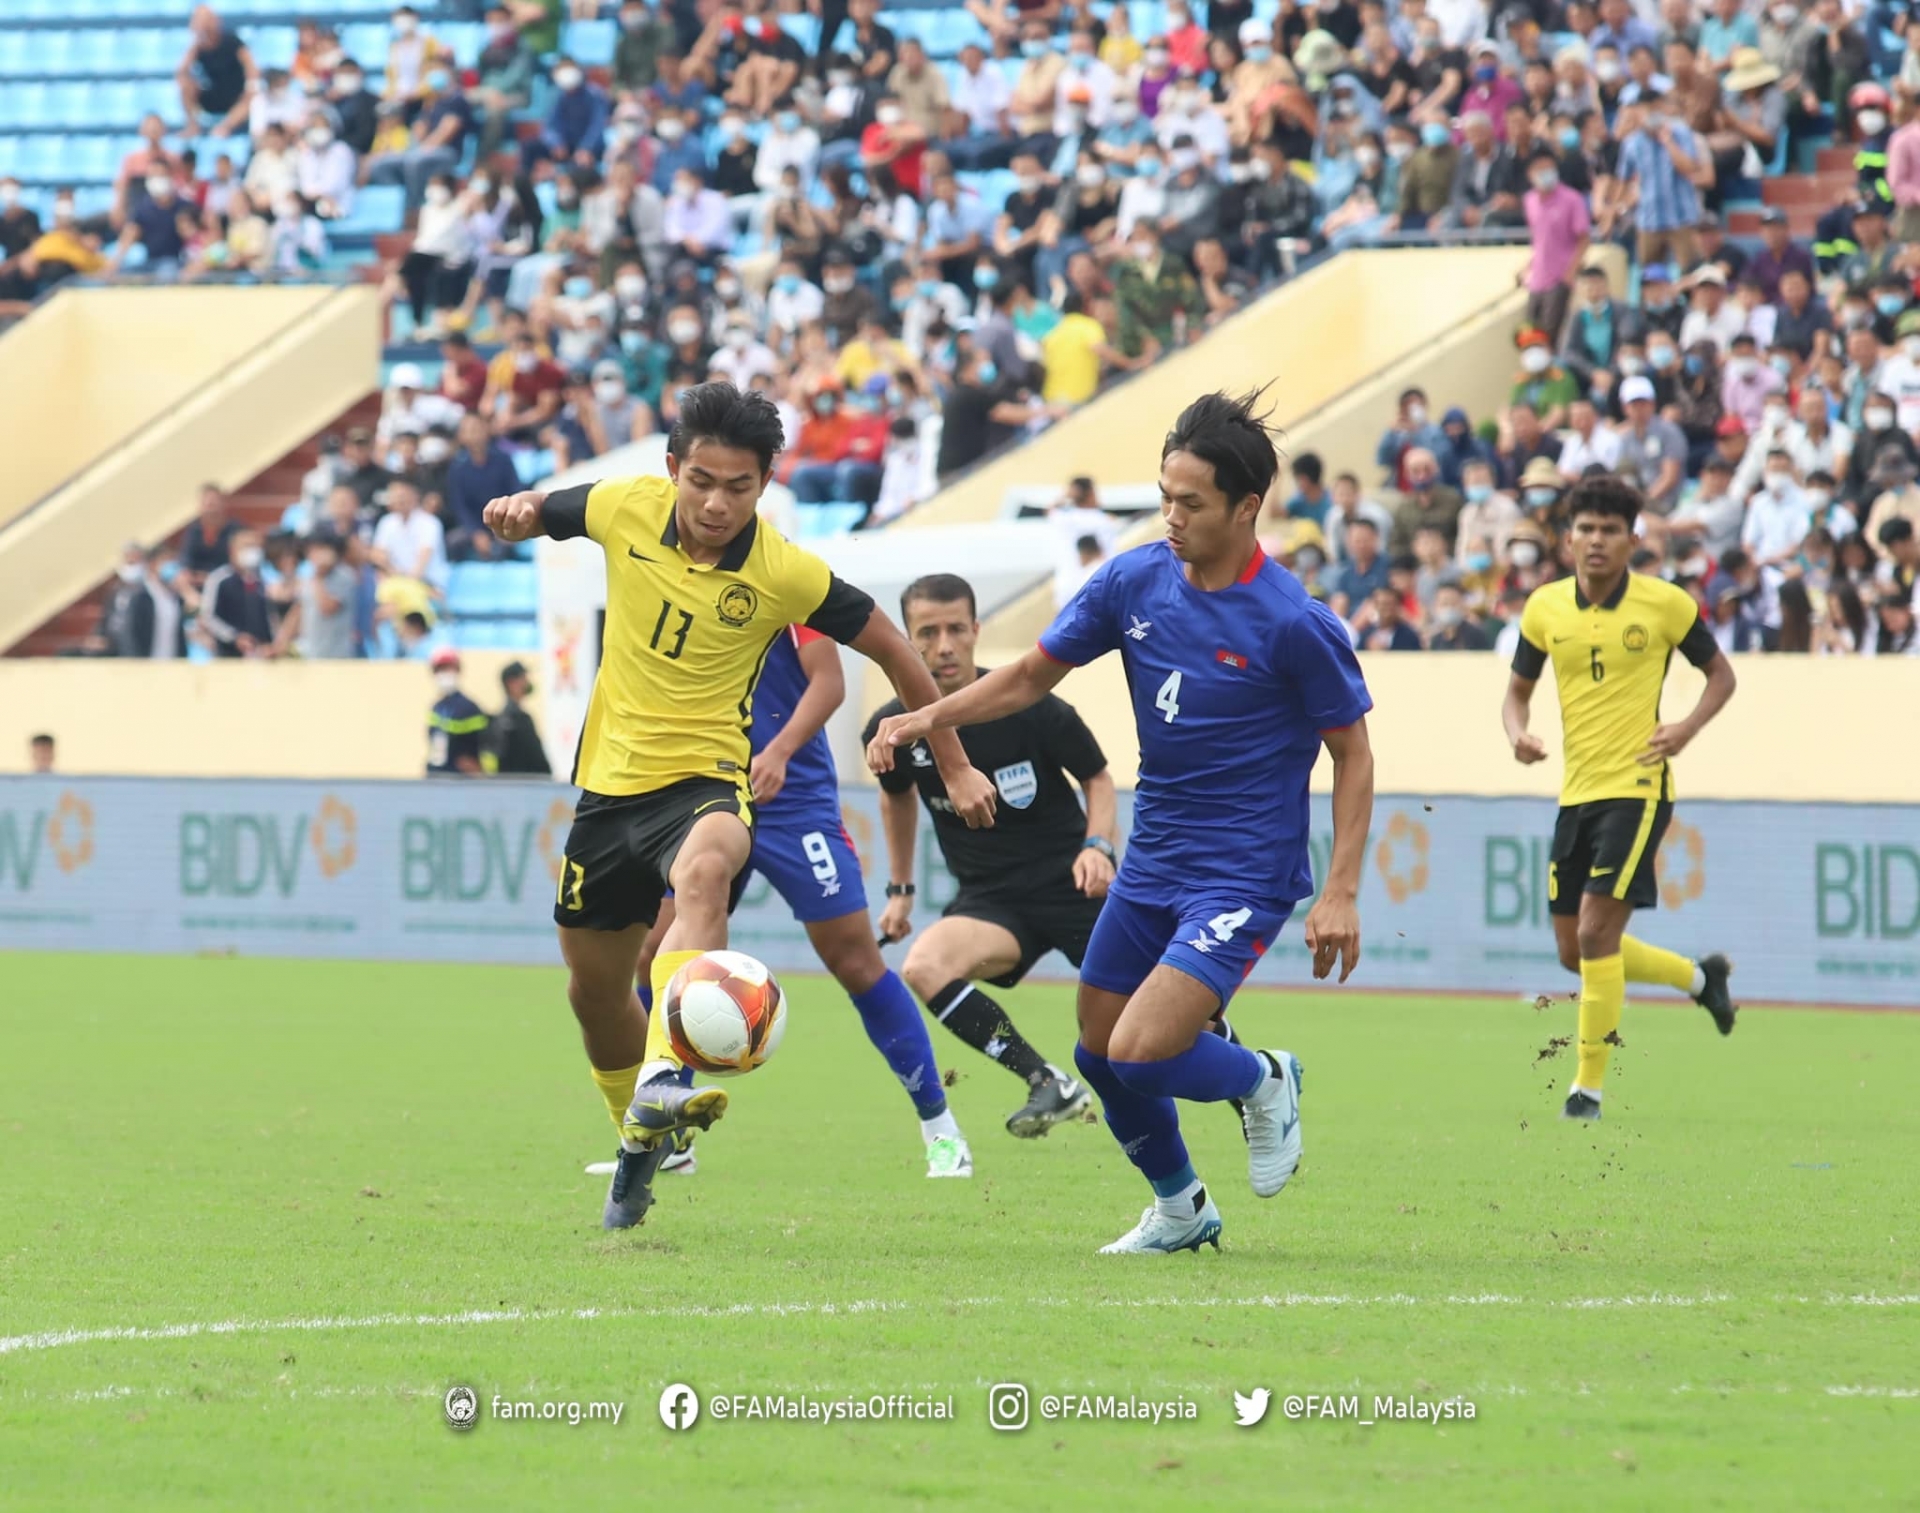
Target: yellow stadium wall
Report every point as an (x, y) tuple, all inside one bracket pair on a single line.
[(235, 719), (1436, 724), (93, 366), (1312, 340), (247, 375)]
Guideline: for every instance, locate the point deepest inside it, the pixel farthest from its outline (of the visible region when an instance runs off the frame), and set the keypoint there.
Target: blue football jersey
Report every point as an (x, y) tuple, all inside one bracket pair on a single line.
[(1231, 691), (810, 773)]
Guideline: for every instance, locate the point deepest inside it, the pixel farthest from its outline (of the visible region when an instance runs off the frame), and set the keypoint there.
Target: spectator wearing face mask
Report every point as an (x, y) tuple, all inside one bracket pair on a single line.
[(1451, 626), (1426, 183), (1542, 384), (1426, 502), (324, 171), (140, 616), (1897, 499), (1653, 450), (1486, 521), (1777, 518), (456, 726), (576, 124), (977, 131), (163, 224), (894, 142), (1599, 328), (278, 102), (1559, 229), (355, 108), (1413, 429), (436, 141), (1748, 383), (319, 624), (504, 84), (234, 611), (531, 397), (1159, 304), (1899, 376)]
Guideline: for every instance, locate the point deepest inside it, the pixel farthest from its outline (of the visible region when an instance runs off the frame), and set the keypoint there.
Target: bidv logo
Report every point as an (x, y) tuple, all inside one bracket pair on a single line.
[(30, 838), (466, 860), (1401, 857), (1681, 865), (237, 855)]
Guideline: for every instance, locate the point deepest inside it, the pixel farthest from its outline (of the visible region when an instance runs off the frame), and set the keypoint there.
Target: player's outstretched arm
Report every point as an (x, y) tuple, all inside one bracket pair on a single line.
[(900, 820), (1004, 691), (1333, 924), (1514, 713), (516, 517), (1669, 741), (970, 791)]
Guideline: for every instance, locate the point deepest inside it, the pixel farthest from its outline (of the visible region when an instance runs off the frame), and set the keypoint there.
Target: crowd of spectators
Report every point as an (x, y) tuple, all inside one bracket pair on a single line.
[(921, 264)]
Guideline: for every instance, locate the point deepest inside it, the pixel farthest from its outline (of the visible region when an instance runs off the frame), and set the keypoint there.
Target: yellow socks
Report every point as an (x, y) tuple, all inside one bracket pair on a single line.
[(660, 1055), (1603, 995), (617, 1088), (1645, 963)]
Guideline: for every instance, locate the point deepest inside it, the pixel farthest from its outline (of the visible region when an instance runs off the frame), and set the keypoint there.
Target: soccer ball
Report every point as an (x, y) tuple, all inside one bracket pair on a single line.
[(725, 1013)]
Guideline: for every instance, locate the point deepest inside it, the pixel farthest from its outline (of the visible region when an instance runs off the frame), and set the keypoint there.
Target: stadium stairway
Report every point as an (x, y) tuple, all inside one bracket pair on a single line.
[(1804, 196), (259, 503)]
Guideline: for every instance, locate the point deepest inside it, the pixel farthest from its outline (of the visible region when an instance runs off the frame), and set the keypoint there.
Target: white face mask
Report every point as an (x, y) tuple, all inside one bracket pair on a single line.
[(447, 680), (630, 287), (670, 130), (130, 572), (438, 194), (609, 391), (1779, 483), (247, 559), (839, 283), (1871, 121), (1879, 420), (403, 26), (888, 115), (1144, 251), (1743, 367), (1416, 415), (1536, 359), (159, 187), (739, 338), (9, 196), (567, 78), (684, 331)]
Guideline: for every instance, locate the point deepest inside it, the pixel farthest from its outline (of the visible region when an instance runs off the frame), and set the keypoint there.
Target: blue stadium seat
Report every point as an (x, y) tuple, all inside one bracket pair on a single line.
[(92, 159), (803, 29), (377, 209), (1149, 18), (148, 49), (516, 588), (273, 46), (466, 38), (532, 466), (468, 589), (46, 54), (590, 43), (111, 103), (9, 155), (40, 158), (24, 105), (14, 54), (819, 521), (366, 43), (519, 634)]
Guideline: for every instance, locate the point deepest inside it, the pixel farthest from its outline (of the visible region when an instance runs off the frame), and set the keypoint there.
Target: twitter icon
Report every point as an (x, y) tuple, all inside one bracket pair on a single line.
[(1248, 1411)]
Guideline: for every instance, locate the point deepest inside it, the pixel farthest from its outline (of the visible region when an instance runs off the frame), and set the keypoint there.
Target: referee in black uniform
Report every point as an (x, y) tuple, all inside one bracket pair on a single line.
[(1031, 884)]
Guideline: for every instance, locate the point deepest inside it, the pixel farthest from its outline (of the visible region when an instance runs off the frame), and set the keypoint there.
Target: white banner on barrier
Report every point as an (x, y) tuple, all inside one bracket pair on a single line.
[(1816, 903)]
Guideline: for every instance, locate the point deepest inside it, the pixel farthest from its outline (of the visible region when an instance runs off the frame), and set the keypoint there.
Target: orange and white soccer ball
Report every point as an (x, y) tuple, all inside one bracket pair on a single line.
[(725, 1013)]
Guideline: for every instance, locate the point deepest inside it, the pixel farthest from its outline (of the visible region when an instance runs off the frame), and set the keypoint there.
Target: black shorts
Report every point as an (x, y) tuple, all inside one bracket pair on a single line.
[(621, 849), (1607, 847), (1049, 919)]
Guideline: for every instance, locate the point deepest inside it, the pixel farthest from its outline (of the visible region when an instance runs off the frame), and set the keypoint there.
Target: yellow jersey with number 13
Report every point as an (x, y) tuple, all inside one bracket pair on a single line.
[(685, 641), (1609, 665)]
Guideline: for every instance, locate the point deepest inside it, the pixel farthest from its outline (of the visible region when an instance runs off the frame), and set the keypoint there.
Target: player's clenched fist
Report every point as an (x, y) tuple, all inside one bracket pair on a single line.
[(516, 517), (971, 792), (896, 730)]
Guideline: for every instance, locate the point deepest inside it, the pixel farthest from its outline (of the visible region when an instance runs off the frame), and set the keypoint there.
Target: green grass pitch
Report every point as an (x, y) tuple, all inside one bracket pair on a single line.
[(311, 1197)]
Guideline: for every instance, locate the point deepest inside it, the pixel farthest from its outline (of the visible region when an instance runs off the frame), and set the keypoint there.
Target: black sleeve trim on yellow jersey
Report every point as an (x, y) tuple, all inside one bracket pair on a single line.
[(1699, 647), (1529, 661), (844, 613), (564, 512)]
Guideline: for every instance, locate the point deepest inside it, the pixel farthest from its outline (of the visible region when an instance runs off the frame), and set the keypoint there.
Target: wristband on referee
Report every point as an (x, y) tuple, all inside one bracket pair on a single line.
[(1101, 844), (899, 890)]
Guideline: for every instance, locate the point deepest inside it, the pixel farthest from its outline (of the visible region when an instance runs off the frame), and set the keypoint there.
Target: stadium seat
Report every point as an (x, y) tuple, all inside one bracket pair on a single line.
[(465, 38), (273, 46), (9, 155), (468, 592), (23, 106), (803, 29), (820, 521), (377, 209), (41, 156), (366, 43), (148, 50), (112, 103), (590, 43), (92, 159), (516, 588)]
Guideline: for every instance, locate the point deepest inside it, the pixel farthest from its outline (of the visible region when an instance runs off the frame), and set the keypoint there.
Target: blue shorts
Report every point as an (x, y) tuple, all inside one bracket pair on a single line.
[(1215, 938), (803, 849)]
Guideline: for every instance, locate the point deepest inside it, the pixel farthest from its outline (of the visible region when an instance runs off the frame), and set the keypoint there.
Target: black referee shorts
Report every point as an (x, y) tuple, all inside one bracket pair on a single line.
[(1058, 918), (1607, 847), (621, 850)]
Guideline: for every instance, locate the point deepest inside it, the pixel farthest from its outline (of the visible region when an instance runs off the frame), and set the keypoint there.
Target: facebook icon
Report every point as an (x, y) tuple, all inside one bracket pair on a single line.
[(679, 1406)]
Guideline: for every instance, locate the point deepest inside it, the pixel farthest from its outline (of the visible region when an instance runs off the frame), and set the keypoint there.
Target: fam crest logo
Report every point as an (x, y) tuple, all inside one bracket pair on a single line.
[(1634, 638), (1401, 857), (70, 832), (1681, 865), (737, 604)]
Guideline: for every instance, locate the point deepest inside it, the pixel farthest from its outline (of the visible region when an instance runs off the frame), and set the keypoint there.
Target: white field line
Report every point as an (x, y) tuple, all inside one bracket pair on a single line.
[(55, 1339)]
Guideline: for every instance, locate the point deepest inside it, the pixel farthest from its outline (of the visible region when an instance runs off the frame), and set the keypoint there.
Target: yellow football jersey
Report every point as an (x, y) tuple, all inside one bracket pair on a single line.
[(1609, 664), (684, 640)]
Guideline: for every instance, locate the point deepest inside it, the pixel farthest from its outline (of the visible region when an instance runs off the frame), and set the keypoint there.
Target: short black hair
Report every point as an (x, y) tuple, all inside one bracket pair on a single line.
[(1605, 494), (939, 588), (1896, 530), (414, 620), (720, 412), (42, 739), (1228, 433), (1309, 466)]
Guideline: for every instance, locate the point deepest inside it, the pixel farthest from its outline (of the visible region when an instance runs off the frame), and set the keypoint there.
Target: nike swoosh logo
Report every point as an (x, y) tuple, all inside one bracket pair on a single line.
[(640, 556), (1598, 871), (1556, 640), (710, 804), (658, 1106)]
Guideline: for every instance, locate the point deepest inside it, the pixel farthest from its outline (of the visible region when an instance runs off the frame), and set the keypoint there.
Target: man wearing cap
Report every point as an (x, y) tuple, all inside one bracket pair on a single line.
[(456, 725), (1872, 259), (1653, 450), (409, 408), (1713, 317), (1660, 160), (1489, 91), (1781, 254), (512, 738), (1543, 384)]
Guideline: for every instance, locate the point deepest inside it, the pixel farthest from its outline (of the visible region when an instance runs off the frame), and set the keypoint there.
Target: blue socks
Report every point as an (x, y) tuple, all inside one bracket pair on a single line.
[(1211, 1070), (1147, 1127), (893, 1023)]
